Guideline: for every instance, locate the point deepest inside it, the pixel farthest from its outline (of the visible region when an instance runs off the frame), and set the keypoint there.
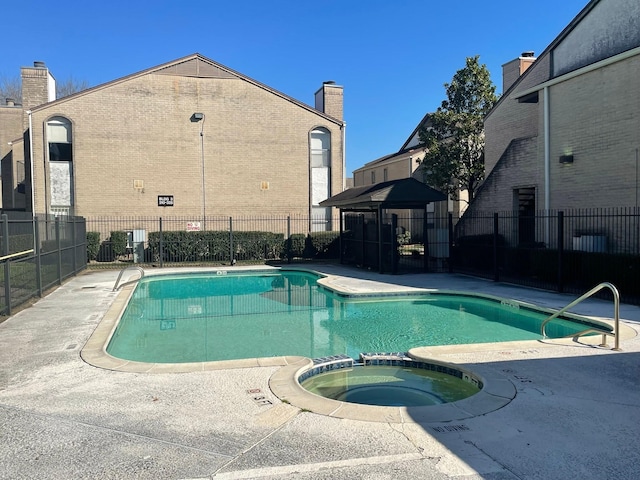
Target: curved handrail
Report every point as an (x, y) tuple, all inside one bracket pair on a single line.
[(139, 269), (616, 311)]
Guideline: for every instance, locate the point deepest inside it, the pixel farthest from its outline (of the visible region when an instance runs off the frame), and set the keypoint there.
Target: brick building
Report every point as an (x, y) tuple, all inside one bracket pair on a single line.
[(187, 138), (565, 133)]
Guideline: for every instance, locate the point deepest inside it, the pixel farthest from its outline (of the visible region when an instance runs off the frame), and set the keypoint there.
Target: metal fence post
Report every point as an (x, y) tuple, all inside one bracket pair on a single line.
[(73, 235), (560, 251), (59, 250), (7, 263), (394, 244), (230, 240), (450, 242), (288, 242), (425, 240), (496, 274), (38, 255), (160, 243)]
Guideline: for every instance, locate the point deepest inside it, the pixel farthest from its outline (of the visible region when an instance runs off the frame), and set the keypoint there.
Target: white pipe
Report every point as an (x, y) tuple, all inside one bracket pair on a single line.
[(344, 156), (31, 166), (204, 198), (31, 186), (547, 160)]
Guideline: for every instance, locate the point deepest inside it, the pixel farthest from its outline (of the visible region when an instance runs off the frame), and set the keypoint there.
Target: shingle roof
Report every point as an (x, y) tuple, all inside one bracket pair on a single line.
[(404, 193)]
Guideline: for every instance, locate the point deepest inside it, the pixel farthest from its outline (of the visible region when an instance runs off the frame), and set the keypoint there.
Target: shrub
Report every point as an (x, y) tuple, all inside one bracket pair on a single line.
[(93, 245), (118, 242), (294, 245), (324, 244), (179, 246)]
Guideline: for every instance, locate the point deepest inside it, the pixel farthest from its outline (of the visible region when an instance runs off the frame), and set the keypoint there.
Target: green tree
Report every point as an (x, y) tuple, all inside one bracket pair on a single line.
[(454, 133)]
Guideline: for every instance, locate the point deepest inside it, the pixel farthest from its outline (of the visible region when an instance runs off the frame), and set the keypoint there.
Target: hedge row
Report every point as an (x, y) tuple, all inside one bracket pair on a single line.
[(181, 246)]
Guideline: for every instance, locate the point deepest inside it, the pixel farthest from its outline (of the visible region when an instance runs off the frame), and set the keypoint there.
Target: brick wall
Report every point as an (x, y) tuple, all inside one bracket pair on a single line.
[(595, 117), (256, 148), (511, 119)]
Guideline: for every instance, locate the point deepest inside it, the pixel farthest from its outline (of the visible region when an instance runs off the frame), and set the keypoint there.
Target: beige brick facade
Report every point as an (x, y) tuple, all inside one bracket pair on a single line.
[(593, 114), (135, 139)]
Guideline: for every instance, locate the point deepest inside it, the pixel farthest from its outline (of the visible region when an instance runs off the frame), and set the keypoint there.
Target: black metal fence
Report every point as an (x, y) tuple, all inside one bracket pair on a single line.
[(38, 253), (180, 240), (569, 251)]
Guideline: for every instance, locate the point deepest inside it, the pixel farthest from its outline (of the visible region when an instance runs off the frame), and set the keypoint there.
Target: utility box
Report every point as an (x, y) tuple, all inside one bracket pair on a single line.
[(138, 239)]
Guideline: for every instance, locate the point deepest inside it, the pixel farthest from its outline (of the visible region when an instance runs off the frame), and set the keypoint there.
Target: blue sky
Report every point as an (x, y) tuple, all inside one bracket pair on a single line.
[(391, 56)]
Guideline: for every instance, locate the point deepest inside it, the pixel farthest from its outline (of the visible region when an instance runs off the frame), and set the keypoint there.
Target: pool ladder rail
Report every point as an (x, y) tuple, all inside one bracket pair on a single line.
[(133, 267), (616, 316)]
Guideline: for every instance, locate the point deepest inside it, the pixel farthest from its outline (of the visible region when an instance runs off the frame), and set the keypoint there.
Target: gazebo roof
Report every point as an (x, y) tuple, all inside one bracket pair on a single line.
[(405, 193)]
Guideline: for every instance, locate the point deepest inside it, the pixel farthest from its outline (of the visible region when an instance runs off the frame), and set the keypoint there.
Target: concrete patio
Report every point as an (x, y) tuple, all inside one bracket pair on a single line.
[(576, 413)]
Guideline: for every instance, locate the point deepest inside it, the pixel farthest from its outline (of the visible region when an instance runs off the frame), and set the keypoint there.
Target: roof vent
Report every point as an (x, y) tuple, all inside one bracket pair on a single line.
[(39, 65), (10, 102), (528, 53), (329, 82)]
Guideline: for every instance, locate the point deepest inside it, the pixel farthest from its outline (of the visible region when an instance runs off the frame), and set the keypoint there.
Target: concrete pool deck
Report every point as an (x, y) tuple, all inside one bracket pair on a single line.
[(576, 412)]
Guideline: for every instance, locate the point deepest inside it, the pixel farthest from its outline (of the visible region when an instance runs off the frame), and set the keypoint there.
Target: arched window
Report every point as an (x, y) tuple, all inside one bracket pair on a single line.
[(59, 139), (320, 146), (60, 150)]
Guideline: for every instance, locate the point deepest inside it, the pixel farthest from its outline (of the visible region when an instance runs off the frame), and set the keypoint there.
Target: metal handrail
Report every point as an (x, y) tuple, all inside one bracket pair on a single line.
[(139, 269), (616, 313)]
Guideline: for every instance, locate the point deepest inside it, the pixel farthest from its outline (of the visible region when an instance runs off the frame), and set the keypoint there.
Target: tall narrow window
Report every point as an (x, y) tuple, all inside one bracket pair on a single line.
[(320, 149), (59, 139), (60, 150)]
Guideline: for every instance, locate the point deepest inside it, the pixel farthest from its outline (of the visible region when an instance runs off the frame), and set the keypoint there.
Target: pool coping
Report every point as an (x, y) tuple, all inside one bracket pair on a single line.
[(94, 351), (497, 391)]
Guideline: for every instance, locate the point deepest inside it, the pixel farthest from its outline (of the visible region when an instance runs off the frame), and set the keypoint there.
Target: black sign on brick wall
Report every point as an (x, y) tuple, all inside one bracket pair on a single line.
[(165, 200)]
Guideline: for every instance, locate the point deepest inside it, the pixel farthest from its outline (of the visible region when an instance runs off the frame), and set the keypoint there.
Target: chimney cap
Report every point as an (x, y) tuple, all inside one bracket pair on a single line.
[(39, 64), (528, 53), (329, 82)]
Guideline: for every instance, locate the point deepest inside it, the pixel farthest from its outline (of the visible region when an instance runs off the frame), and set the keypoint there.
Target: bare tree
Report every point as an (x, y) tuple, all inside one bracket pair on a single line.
[(10, 87), (70, 86)]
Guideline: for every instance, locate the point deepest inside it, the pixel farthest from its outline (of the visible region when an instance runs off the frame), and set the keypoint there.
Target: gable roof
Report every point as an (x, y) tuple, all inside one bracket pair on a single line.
[(404, 193), (545, 52), (194, 65)]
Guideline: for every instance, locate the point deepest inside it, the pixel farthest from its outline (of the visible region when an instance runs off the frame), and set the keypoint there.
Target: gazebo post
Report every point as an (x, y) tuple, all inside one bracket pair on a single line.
[(340, 246), (425, 239), (380, 246)]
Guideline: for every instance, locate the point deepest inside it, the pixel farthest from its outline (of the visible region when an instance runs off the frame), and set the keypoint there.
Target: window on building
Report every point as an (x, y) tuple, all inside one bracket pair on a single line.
[(385, 174), (60, 151), (59, 139), (320, 150), (373, 177)]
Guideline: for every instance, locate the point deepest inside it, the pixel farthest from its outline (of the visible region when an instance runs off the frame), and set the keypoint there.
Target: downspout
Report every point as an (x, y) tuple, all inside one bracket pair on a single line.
[(547, 162), (31, 166), (343, 127), (33, 196)]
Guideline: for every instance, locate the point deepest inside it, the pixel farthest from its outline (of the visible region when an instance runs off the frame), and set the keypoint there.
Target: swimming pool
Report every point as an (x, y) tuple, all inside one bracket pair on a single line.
[(225, 316)]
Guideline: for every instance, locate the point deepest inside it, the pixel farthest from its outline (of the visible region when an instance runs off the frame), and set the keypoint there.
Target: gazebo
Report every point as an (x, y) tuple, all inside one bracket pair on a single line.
[(402, 194)]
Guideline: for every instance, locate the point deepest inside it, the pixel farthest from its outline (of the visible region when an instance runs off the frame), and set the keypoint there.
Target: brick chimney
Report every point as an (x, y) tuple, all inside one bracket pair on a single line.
[(329, 100), (512, 70), (38, 85)]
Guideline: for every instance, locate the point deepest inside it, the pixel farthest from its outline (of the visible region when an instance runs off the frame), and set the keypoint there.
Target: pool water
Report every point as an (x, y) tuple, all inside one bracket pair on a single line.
[(198, 317), (390, 386)]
